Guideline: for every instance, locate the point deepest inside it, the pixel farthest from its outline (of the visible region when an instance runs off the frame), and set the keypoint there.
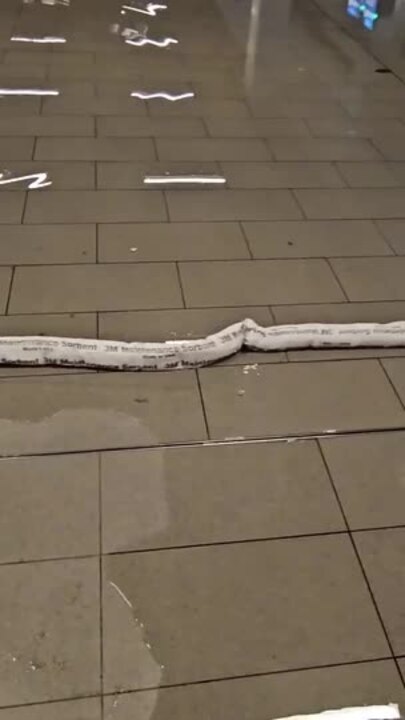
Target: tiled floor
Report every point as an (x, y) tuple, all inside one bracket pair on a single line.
[(229, 542)]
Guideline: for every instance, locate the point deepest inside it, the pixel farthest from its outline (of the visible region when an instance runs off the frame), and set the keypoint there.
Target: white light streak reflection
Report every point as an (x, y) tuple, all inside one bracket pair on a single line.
[(139, 42), (38, 180), (150, 9), (28, 92), (172, 97), (184, 180), (46, 40)]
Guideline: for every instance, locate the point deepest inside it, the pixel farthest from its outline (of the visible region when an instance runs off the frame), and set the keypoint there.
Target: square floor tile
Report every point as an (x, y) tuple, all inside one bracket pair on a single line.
[(255, 127), (66, 148), (47, 244), (96, 287), (298, 398), (258, 282), (89, 709), (50, 629), (394, 232), (203, 205), (382, 554), (281, 175), (368, 473), (11, 206), (396, 372), (268, 696), (211, 149), (110, 105), (355, 127), (196, 608), (160, 325), (306, 238), (265, 108), (5, 280), (352, 204), (15, 148), (29, 488), (340, 312), (322, 149), (204, 107), (105, 410), (372, 278), (88, 206), (34, 125), (170, 241), (192, 496), (391, 146), (124, 126), (365, 175), (72, 325)]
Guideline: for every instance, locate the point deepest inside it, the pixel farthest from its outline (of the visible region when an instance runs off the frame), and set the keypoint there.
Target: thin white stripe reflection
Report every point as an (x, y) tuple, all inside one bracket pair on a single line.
[(46, 40), (184, 180), (139, 42), (28, 91)]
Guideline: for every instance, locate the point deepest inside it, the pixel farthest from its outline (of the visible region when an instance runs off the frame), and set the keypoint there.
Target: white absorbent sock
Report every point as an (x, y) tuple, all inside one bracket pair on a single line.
[(179, 354)]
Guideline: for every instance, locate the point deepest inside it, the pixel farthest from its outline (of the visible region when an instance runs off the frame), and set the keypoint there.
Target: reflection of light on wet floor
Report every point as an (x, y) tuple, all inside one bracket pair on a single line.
[(28, 92), (38, 180), (165, 42), (184, 180), (162, 95), (150, 9), (46, 40)]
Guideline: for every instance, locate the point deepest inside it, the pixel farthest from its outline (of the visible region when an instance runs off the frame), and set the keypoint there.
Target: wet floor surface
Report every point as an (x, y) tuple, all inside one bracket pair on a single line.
[(227, 542)]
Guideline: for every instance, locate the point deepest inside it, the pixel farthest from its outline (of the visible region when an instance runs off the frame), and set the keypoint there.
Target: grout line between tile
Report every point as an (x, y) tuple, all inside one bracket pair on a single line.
[(245, 237), (335, 275), (6, 309), (101, 581), (394, 389)]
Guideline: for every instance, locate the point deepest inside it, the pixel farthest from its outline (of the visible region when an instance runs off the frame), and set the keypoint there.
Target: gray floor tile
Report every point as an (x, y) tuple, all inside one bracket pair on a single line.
[(192, 496), (95, 206), (97, 287), (195, 606), (396, 371), (392, 147), (66, 148), (211, 149), (123, 175), (281, 175), (125, 126), (340, 313), (307, 238), (62, 175), (256, 127), (355, 127), (89, 709), (29, 488), (11, 206), (259, 282), (99, 411), (382, 553), (368, 474), (394, 232), (107, 105), (372, 278), (309, 397), (368, 203), (170, 241), (158, 325), (20, 106), (369, 175), (322, 149), (5, 280), (50, 625), (264, 108), (15, 148), (47, 244), (72, 325), (34, 125), (269, 696), (204, 107), (221, 205)]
